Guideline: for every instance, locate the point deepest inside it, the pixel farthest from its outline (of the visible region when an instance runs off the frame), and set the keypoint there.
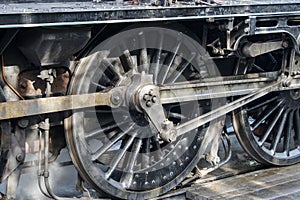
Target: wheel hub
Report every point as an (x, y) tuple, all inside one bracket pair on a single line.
[(142, 99)]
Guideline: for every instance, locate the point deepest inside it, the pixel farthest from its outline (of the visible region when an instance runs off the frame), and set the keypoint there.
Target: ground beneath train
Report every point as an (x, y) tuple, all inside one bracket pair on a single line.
[(240, 178)]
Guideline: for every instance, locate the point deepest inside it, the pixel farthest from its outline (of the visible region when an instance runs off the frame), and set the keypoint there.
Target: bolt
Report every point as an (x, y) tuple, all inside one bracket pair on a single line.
[(154, 99), (246, 30), (173, 135), (115, 98), (286, 83), (23, 123), (20, 157), (151, 92), (146, 97), (285, 44), (148, 103)]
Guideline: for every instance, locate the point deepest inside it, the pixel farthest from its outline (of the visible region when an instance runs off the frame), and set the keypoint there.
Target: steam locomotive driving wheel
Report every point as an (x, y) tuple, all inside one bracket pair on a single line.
[(269, 128), (120, 150)]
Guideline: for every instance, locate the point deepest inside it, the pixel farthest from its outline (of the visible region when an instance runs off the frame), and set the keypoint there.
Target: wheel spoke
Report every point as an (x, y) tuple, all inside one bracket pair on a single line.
[(109, 144), (176, 74), (157, 148), (129, 60), (176, 115), (265, 114), (287, 138), (155, 66), (258, 68), (119, 151), (144, 61), (127, 176), (261, 104), (297, 125), (101, 130), (111, 71), (270, 127), (102, 87), (115, 161), (279, 133), (146, 155), (169, 61)]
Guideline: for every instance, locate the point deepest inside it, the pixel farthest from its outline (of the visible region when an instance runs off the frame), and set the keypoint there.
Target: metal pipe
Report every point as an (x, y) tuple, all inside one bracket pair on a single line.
[(46, 174), (40, 171), (6, 81)]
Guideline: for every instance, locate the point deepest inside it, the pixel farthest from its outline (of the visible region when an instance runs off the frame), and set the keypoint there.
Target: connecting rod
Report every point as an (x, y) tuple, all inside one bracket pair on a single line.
[(219, 87)]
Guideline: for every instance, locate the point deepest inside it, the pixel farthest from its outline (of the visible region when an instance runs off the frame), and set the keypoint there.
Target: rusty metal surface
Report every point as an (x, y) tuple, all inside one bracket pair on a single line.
[(15, 109)]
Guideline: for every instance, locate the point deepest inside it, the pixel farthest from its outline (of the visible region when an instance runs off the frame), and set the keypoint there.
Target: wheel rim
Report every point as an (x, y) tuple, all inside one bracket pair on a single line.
[(117, 150), (269, 128)]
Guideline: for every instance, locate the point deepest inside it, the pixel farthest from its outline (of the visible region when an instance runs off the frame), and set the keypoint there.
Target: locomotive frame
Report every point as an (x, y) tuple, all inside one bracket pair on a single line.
[(158, 80)]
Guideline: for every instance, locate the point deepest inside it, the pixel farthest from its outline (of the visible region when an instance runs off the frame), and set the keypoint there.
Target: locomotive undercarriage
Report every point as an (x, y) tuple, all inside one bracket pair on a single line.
[(138, 105)]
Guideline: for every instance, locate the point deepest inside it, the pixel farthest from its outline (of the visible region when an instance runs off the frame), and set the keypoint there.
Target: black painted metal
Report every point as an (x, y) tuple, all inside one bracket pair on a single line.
[(87, 12)]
